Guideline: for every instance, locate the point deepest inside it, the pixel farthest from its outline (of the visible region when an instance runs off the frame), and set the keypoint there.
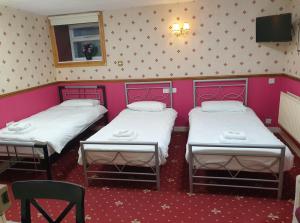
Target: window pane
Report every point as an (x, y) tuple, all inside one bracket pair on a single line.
[(86, 31), (78, 47)]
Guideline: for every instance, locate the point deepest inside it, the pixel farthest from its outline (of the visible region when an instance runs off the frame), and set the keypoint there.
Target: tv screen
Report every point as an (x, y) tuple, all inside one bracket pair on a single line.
[(277, 28)]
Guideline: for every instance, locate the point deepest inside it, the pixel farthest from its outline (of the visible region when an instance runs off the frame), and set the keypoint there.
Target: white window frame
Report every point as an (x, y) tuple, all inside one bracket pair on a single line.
[(84, 38)]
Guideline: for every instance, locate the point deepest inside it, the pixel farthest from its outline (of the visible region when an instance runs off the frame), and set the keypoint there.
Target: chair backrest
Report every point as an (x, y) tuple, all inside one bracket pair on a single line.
[(28, 191)]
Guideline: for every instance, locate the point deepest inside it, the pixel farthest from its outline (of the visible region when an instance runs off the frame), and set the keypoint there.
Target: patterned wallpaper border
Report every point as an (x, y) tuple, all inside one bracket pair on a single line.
[(141, 38), (292, 65), (25, 51), (221, 41)]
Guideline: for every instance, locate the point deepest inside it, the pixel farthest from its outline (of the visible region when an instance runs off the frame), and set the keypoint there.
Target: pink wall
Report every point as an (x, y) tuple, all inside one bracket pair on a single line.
[(262, 97), (19, 106), (183, 100), (115, 96), (291, 85)]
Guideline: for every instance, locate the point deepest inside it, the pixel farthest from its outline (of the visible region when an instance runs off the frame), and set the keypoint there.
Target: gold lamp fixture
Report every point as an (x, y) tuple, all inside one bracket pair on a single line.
[(180, 29)]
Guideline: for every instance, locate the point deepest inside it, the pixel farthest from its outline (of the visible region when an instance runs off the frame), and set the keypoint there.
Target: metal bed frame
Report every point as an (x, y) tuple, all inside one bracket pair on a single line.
[(119, 173), (195, 165), (33, 160)]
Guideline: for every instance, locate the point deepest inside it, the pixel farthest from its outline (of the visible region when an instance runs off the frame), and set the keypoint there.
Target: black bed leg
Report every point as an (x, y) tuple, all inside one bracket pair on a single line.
[(47, 163), (106, 119)]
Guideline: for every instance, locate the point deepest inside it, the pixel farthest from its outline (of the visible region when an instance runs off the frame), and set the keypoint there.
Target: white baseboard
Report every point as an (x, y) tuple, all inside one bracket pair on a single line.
[(181, 129)]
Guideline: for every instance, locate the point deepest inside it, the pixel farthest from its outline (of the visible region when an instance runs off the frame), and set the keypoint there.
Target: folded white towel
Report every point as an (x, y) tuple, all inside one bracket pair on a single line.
[(124, 139), (123, 133), (18, 126), (222, 139), (234, 135), (17, 133)]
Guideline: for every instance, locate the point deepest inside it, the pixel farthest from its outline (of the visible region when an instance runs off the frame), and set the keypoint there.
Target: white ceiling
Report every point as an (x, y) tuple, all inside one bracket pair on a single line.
[(55, 7)]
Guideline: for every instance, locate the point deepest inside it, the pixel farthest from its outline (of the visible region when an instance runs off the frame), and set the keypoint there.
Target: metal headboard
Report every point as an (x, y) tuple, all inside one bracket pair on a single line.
[(97, 92), (149, 91), (220, 89)]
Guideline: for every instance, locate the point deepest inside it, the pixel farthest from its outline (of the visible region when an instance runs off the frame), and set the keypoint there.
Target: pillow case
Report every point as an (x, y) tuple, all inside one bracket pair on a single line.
[(147, 106), (80, 102), (215, 106)]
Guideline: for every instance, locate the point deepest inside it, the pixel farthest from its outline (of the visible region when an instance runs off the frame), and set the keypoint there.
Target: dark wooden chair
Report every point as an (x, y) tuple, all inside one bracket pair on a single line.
[(28, 191)]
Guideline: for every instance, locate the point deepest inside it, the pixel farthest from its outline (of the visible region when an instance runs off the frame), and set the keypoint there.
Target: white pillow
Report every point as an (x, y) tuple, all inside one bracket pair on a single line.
[(215, 106), (80, 102), (147, 106)]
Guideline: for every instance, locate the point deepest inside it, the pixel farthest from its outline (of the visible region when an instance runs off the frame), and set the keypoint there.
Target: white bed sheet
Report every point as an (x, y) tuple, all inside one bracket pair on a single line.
[(206, 127), (149, 127), (55, 126)]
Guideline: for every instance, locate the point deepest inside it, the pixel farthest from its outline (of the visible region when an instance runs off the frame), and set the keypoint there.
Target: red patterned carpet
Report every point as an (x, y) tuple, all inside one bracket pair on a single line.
[(139, 203)]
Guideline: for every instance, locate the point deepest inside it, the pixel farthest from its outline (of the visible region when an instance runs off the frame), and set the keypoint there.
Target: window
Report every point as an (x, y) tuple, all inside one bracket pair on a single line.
[(78, 40), (81, 36)]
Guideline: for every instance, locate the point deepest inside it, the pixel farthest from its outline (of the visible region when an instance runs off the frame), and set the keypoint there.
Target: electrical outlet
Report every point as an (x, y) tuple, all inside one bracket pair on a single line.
[(271, 80), (174, 90), (268, 121), (166, 90)]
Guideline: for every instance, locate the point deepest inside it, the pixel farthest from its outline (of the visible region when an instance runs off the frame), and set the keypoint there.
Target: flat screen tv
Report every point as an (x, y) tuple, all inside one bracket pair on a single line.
[(276, 28)]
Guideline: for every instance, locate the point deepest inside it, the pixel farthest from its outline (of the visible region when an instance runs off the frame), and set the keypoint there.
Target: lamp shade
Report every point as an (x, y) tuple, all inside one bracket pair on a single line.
[(186, 26), (176, 28)]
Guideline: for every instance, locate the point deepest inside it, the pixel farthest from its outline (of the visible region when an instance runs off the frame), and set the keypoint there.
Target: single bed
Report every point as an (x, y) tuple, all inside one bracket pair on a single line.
[(259, 151), (147, 148), (51, 130)]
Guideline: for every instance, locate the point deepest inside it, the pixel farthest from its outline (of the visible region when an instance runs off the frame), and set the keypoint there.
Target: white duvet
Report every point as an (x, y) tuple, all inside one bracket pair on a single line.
[(148, 126), (206, 127), (55, 126)]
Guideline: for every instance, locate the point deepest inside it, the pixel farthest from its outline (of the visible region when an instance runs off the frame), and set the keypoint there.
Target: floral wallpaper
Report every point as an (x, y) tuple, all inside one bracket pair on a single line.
[(292, 56), (221, 41), (25, 51)]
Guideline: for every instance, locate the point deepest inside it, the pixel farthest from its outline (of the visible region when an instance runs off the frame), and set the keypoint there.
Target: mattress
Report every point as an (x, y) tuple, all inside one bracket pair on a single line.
[(153, 127), (207, 127), (55, 126)]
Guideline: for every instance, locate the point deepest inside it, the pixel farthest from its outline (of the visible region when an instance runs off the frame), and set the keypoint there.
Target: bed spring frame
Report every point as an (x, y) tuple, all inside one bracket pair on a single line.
[(12, 154), (231, 89), (134, 91), (154, 172), (33, 159), (197, 179)]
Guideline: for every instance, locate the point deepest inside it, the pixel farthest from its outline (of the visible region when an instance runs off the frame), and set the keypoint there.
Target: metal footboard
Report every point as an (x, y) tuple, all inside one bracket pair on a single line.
[(119, 169), (12, 156), (197, 179)]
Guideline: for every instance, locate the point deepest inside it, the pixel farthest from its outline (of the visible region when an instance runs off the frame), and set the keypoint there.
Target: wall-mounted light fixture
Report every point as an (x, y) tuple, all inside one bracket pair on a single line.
[(180, 29)]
